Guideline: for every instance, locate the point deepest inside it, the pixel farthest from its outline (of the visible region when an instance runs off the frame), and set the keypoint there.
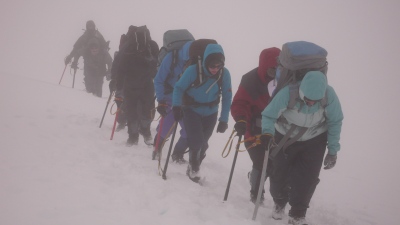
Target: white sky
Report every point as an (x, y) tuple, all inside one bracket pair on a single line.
[(363, 52)]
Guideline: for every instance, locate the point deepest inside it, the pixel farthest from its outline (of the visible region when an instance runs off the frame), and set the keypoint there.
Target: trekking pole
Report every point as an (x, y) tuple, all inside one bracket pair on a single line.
[(73, 81), (115, 123), (63, 73), (158, 139), (233, 168), (169, 151), (105, 110), (262, 180)]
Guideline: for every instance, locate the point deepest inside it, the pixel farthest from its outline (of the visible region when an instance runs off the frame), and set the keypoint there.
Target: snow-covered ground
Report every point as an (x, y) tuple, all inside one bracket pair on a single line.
[(58, 167)]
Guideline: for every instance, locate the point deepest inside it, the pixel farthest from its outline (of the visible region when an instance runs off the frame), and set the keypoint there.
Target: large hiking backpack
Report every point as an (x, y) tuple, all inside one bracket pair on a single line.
[(196, 54), (137, 42), (295, 60), (173, 40)]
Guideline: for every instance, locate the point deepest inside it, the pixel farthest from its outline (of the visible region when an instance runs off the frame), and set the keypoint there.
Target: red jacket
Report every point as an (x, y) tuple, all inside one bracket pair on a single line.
[(252, 95)]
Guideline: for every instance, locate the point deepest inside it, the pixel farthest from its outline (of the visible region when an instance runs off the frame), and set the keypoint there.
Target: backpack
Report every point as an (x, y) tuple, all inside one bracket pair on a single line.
[(295, 60), (196, 53), (173, 40), (137, 42)]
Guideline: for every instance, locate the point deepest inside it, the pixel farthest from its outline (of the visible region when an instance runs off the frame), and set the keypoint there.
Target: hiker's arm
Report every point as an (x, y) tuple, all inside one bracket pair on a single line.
[(183, 84), (226, 96), (274, 110), (161, 77), (241, 104), (334, 117)]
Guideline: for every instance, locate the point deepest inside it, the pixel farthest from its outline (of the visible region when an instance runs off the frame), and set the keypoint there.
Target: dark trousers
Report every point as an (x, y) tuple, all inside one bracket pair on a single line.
[(94, 82), (257, 154), (139, 104), (295, 173), (198, 130)]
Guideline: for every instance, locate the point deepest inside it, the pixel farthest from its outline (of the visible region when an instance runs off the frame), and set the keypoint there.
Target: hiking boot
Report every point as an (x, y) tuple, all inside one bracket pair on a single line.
[(178, 159), (193, 173), (119, 127), (253, 197), (155, 155), (278, 212), (297, 221), (132, 140)]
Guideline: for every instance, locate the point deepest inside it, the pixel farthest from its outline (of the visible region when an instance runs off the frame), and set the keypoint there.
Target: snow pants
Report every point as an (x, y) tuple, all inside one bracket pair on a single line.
[(199, 130), (257, 154), (295, 173), (181, 145), (139, 104), (93, 82)]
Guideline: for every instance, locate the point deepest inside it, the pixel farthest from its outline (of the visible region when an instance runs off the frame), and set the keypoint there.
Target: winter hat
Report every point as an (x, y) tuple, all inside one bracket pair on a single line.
[(90, 25), (313, 86), (268, 59), (215, 58)]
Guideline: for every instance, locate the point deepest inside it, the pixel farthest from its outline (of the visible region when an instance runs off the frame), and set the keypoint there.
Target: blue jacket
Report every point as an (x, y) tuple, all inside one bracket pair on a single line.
[(199, 93), (164, 70), (318, 119)]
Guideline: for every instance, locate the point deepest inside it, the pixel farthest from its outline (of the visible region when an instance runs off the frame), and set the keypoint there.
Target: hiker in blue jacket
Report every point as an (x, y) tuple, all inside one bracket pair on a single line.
[(317, 118), (164, 83), (198, 102)]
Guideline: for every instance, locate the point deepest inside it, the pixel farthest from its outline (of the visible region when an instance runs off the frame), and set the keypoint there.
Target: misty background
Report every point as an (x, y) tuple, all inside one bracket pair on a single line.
[(361, 37)]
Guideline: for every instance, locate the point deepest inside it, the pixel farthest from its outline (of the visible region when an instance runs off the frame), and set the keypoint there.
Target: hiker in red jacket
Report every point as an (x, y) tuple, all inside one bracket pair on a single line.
[(250, 100)]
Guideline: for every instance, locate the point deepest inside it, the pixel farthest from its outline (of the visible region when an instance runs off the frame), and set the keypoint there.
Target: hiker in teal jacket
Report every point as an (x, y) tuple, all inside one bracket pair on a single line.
[(296, 167), (197, 102)]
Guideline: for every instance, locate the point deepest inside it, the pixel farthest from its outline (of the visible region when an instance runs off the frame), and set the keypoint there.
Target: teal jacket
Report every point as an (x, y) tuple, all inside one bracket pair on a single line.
[(318, 119), (207, 92)]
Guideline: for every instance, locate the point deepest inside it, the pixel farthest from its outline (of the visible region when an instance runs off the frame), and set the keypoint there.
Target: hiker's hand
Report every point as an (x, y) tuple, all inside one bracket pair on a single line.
[(162, 109), (108, 75), (222, 126), (329, 161), (266, 139), (67, 59), (112, 85), (118, 101), (74, 65), (240, 127), (178, 113)]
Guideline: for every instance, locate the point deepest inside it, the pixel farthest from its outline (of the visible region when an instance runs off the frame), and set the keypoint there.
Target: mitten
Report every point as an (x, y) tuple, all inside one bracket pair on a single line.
[(329, 161), (222, 126)]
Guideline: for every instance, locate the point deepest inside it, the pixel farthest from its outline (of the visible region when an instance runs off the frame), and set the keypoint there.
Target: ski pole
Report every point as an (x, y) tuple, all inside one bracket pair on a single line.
[(158, 139), (63, 73), (115, 123), (73, 81), (232, 169), (169, 151), (105, 110), (262, 180)]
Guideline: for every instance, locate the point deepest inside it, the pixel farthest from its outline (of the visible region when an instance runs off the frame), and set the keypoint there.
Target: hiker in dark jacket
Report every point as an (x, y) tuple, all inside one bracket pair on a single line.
[(164, 83), (137, 63), (94, 49), (250, 100), (316, 118), (198, 105)]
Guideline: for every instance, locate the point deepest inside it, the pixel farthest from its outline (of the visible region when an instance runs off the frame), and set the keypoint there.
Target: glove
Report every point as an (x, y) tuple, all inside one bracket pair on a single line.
[(74, 65), (240, 127), (178, 113), (265, 140), (112, 85), (67, 59), (329, 161), (162, 109), (222, 126), (108, 75), (118, 101)]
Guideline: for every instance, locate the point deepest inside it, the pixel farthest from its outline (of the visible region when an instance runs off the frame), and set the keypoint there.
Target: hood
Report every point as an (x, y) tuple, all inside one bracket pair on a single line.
[(184, 51), (313, 86), (212, 50), (268, 59)]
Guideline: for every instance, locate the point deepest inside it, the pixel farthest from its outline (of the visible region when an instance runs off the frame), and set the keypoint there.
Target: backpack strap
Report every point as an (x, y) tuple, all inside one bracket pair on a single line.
[(286, 142)]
